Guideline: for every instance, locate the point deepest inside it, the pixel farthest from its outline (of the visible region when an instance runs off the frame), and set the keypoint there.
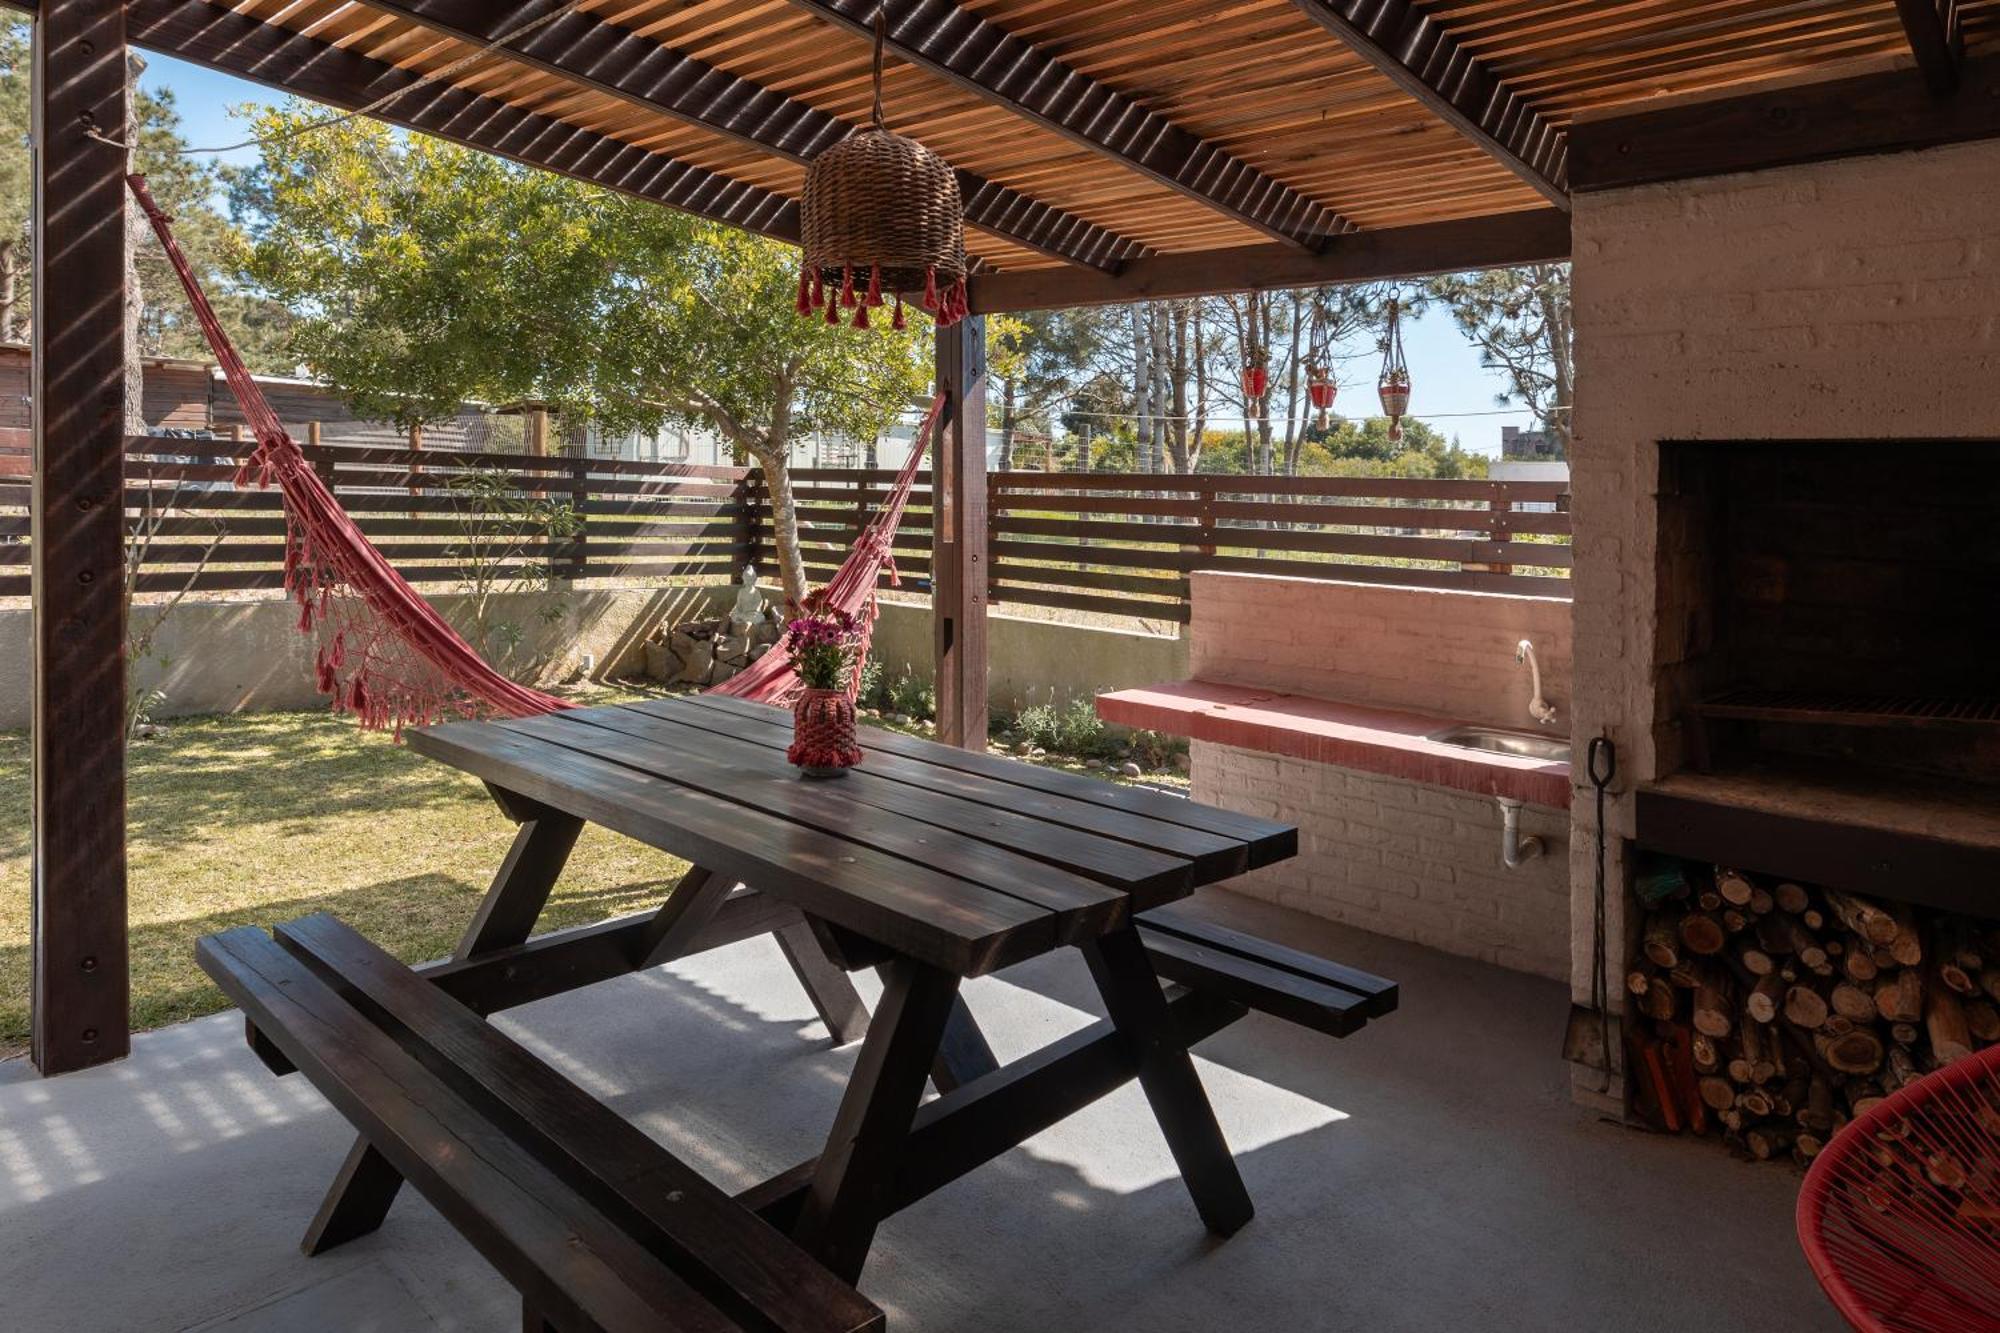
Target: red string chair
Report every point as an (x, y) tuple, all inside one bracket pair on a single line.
[(1900, 1213)]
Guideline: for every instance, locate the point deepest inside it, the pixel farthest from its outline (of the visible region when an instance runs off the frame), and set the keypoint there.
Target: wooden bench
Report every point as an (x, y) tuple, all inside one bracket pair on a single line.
[(595, 1224), (1259, 974)]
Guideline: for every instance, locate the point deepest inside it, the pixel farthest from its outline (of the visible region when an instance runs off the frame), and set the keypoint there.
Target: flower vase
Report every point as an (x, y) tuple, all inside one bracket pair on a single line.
[(823, 739)]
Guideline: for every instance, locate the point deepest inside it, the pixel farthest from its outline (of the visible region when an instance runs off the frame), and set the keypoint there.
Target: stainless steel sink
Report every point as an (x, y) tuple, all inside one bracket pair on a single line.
[(1497, 740)]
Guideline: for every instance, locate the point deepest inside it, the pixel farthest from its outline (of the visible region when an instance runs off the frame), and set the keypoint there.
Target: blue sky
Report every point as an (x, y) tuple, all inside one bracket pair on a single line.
[(1445, 368)]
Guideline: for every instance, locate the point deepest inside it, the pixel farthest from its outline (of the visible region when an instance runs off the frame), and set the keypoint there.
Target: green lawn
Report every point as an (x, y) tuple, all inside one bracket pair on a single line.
[(264, 817)]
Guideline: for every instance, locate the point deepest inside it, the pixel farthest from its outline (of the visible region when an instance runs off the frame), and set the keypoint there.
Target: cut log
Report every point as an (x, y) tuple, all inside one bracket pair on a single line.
[(1661, 1001), (1857, 965), (1702, 933), (1899, 997), (1765, 998), (1659, 942), (1769, 1140), (1717, 1093), (1807, 1146), (1907, 945), (1853, 1003), (1945, 1022), (1861, 1095), (1754, 1102), (1856, 1052), (1714, 1015), (1791, 897), (1899, 1068), (1704, 1053), (1817, 1113), (1903, 1034), (1762, 901), (1747, 956), (1735, 887), (1864, 918), (1982, 1018), (1805, 1007)]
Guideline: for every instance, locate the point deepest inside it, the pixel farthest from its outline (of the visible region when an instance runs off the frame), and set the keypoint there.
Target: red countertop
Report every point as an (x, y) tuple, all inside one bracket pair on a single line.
[(1372, 740)]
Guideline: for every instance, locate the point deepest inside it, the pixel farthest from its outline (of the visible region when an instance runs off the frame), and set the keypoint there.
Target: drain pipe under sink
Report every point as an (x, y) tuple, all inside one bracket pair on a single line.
[(1515, 850)]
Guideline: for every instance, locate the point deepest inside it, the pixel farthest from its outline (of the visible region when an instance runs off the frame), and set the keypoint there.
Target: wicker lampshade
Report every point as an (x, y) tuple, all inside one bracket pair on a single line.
[(881, 216)]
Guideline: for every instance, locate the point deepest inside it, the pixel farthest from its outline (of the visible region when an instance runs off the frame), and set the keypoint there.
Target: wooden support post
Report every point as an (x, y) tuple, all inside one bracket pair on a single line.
[(81, 987), (537, 440), (958, 546)]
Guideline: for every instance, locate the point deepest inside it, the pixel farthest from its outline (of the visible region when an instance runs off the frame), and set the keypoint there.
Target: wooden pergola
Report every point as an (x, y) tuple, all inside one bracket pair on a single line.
[(1110, 151)]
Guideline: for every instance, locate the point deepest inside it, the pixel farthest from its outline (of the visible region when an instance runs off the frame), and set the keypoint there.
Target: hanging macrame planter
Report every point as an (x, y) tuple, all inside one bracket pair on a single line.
[(1256, 381), (880, 217), (1394, 385), (1320, 387)]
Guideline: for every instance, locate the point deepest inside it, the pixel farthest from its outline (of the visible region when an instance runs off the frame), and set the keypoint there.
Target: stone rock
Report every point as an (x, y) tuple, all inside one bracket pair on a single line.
[(1130, 770), (758, 650), (764, 633), (661, 664), (1038, 753), (723, 671), (1183, 762), (1093, 763), (698, 662), (732, 648), (900, 719)]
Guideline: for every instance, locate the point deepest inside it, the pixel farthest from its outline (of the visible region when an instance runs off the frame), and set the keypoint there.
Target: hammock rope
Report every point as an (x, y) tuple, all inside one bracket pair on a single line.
[(383, 652)]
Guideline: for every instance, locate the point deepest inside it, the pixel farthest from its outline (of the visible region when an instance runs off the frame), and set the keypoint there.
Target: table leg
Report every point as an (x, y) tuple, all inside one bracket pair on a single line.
[(833, 996), (366, 1184), (963, 1055), (848, 1195), (1132, 994)]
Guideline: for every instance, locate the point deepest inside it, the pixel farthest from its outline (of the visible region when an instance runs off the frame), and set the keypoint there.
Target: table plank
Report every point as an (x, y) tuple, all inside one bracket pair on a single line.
[(1211, 856), (761, 780), (907, 907), (1149, 874), (1264, 841)]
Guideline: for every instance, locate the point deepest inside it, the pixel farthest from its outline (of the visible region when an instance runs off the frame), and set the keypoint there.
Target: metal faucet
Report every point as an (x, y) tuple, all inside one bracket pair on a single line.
[(1539, 708)]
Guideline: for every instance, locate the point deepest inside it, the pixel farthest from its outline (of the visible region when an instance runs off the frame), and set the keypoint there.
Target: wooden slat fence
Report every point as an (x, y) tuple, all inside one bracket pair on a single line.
[(1107, 543)]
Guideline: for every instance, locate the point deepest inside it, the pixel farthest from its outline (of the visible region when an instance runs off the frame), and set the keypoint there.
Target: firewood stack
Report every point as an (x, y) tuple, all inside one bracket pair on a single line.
[(1772, 1012)]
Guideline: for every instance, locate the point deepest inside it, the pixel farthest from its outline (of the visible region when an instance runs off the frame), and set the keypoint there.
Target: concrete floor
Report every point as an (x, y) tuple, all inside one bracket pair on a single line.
[(1429, 1173)]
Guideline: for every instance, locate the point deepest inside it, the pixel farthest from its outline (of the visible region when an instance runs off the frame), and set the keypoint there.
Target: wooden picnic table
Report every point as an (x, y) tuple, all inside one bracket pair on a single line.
[(929, 864)]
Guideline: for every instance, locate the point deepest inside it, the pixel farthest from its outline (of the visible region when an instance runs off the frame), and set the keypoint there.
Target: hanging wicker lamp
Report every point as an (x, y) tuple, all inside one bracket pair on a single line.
[(880, 217), (1394, 384)]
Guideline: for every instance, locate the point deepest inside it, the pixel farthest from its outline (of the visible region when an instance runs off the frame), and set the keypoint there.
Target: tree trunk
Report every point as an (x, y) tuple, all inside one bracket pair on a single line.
[(1294, 436), (784, 522), (1141, 381), (1156, 449), (1007, 428), (10, 288), (1177, 437)]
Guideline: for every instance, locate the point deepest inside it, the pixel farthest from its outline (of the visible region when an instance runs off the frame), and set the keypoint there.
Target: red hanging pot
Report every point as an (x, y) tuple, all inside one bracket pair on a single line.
[(1322, 390), (823, 737), (1256, 380)]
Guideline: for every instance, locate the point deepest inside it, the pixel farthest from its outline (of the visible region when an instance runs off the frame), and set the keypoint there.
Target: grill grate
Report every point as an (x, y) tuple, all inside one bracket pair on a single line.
[(1834, 708)]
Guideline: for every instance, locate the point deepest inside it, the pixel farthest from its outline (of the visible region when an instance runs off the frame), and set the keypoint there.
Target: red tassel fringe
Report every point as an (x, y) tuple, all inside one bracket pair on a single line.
[(847, 287), (861, 316), (804, 304), (874, 285), (898, 322)]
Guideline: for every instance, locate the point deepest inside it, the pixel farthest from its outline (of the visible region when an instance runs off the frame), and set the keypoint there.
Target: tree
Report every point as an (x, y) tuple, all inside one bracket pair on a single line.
[(1039, 358), (187, 188), (1519, 318), (427, 275)]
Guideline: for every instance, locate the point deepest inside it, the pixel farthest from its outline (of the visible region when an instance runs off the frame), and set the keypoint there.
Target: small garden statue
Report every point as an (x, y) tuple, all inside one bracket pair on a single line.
[(749, 608), (823, 647)]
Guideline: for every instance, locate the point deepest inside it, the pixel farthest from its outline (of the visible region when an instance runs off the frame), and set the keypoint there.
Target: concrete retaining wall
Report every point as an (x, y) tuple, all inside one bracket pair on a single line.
[(225, 657)]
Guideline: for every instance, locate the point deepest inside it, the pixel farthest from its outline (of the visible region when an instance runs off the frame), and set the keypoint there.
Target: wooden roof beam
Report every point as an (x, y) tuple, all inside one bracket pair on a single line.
[(295, 63), (993, 64), (640, 71), (1936, 40), (1428, 63), (1540, 236), (1870, 113)]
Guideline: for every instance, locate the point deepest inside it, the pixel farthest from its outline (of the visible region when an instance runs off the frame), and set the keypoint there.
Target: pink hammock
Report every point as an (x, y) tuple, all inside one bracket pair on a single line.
[(384, 652)]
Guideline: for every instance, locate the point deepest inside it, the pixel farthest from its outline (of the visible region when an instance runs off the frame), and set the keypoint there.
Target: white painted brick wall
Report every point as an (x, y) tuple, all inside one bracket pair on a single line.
[(1450, 654), (1857, 299), (1400, 858)]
